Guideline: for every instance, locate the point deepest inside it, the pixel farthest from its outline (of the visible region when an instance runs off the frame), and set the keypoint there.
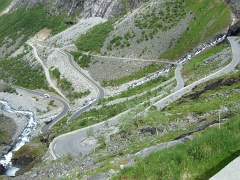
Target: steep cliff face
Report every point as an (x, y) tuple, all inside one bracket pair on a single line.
[(102, 8), (106, 9), (54, 7)]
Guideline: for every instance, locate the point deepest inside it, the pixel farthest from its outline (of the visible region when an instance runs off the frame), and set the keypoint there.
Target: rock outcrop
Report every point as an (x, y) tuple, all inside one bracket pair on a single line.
[(2, 169), (106, 9), (234, 30), (235, 5), (8, 128)]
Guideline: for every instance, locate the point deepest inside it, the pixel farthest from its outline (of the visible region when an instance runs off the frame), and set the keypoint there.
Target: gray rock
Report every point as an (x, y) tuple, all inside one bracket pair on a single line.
[(2, 169), (100, 176)]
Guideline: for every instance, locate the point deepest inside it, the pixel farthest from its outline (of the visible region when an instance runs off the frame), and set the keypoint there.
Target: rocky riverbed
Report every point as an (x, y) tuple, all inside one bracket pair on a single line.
[(14, 124)]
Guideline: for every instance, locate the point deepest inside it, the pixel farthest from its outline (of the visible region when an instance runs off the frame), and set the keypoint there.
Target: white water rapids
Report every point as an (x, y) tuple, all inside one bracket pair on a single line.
[(23, 138)]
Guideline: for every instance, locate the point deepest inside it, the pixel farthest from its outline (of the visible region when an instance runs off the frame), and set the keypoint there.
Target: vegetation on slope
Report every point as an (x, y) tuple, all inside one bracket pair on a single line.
[(137, 75), (200, 158), (21, 73), (202, 154), (149, 23), (4, 4), (198, 67), (210, 17), (66, 85), (29, 155), (94, 38), (82, 60), (27, 22)]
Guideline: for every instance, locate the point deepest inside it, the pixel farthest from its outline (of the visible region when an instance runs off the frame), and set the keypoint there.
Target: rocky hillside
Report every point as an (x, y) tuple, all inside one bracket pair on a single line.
[(156, 29), (235, 5), (83, 8)]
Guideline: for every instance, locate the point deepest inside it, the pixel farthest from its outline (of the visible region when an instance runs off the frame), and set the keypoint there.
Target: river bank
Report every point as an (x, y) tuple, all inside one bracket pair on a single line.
[(24, 101)]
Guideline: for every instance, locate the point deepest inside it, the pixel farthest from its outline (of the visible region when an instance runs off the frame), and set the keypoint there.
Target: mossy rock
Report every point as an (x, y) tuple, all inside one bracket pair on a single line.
[(28, 155)]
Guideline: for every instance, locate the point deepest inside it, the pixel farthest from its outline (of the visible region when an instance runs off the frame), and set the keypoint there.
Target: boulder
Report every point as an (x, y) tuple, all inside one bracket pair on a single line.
[(23, 161), (2, 169), (235, 5), (234, 30)]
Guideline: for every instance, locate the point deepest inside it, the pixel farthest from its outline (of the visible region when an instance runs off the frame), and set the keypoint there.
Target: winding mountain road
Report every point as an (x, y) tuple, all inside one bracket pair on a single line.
[(47, 127), (73, 142), (177, 94), (65, 107), (46, 71), (99, 88), (178, 77)]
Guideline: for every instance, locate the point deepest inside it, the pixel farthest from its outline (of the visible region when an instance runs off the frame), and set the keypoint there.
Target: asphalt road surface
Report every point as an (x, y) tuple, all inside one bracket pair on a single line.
[(64, 111), (178, 94), (46, 71), (99, 88), (72, 142)]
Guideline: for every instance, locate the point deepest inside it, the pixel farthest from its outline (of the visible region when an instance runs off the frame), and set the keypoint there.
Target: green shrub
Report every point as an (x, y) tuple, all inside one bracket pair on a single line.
[(22, 73), (82, 60), (65, 84), (9, 89), (94, 39), (205, 12), (56, 73), (4, 4), (27, 22)]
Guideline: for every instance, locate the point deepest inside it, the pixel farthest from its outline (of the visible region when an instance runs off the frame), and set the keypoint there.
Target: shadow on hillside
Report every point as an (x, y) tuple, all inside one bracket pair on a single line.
[(208, 174)]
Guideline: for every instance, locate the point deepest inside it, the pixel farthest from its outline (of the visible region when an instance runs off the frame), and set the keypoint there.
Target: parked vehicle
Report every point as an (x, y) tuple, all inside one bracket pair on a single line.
[(46, 95), (48, 121)]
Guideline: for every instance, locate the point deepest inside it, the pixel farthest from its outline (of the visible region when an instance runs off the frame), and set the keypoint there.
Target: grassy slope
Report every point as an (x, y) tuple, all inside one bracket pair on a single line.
[(28, 22), (4, 4), (200, 158), (208, 152), (25, 22), (196, 68), (137, 75), (21, 73), (210, 17), (94, 38)]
